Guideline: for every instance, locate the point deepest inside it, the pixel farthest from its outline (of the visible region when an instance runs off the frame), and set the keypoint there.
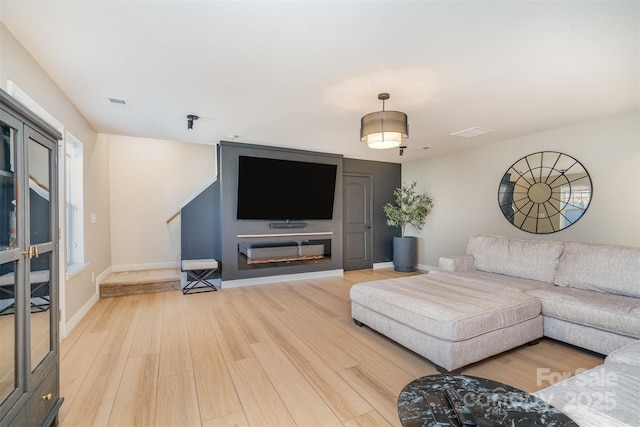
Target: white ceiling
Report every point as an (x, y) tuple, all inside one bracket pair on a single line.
[(302, 73)]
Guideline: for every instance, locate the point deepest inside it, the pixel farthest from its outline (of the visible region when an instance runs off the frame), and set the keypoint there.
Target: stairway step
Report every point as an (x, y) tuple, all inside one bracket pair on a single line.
[(140, 282)]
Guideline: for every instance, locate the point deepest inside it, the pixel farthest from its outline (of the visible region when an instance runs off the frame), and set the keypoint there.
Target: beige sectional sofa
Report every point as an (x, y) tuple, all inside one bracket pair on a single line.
[(588, 295), (607, 395)]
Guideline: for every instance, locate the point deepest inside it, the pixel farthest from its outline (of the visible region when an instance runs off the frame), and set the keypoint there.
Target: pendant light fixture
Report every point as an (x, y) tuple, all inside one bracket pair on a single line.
[(384, 129)]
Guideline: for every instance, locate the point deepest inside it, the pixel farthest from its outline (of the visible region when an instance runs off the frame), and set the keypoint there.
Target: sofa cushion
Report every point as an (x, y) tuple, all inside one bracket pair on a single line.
[(606, 395), (598, 267), (613, 313), (528, 259), (484, 278), (456, 263), (445, 307), (629, 354)]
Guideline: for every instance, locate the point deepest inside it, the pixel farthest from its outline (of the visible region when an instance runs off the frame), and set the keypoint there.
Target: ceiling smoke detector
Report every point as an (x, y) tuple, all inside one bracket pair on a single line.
[(471, 132)]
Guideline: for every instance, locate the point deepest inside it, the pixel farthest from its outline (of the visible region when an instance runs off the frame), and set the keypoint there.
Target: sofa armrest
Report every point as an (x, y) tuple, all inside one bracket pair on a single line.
[(629, 354), (456, 263)]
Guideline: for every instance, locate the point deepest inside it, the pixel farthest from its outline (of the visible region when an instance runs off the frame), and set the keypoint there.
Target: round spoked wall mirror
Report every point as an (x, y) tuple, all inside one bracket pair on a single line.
[(545, 192)]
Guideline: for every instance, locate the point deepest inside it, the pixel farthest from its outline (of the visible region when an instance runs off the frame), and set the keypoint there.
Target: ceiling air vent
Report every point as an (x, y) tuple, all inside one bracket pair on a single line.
[(119, 102), (471, 132)]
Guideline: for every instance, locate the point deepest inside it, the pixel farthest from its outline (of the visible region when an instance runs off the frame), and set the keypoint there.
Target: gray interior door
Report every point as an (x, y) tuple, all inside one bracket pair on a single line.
[(358, 241)]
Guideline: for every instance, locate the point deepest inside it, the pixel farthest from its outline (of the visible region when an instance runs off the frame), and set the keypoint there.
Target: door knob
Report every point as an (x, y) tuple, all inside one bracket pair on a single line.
[(30, 252)]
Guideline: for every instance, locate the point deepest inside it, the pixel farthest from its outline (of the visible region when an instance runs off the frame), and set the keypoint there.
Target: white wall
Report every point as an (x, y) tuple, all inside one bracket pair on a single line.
[(18, 66), (464, 186), (149, 179)]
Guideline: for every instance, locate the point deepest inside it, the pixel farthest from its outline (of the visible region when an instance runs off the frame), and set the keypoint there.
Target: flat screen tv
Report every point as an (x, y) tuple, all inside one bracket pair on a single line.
[(274, 189)]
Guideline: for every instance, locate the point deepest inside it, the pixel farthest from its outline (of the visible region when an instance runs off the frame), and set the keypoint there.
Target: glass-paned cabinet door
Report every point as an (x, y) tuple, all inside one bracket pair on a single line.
[(8, 329), (11, 260), (8, 234), (41, 277)]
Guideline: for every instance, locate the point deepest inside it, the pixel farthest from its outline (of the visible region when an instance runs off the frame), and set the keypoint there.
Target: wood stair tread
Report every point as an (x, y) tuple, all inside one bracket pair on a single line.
[(140, 282)]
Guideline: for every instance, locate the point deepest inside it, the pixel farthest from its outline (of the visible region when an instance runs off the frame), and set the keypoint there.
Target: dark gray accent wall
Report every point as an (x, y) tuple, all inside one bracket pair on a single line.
[(234, 265), (200, 226), (386, 178)]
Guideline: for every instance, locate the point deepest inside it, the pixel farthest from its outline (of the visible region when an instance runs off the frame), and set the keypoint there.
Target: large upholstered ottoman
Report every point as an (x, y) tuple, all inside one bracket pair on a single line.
[(450, 322)]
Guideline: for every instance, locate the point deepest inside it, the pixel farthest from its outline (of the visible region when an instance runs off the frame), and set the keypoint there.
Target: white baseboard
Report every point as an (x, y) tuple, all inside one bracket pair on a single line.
[(379, 265), (389, 264), (67, 327), (100, 277), (150, 266), (282, 278), (426, 267), (73, 322)]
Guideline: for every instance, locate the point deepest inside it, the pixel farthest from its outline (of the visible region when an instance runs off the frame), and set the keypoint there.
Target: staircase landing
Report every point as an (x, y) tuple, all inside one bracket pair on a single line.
[(140, 282)]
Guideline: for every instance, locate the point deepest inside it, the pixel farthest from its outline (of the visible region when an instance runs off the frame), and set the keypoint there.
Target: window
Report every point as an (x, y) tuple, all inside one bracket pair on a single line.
[(74, 203)]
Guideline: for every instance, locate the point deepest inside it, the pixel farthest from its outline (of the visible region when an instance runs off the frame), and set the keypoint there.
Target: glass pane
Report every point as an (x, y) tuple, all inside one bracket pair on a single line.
[(7, 330), (8, 237), (40, 297), (39, 200), (40, 231)]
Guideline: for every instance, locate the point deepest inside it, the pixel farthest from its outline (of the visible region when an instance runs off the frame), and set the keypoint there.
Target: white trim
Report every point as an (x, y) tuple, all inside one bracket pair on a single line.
[(15, 91), (69, 138), (74, 269), (389, 264), (426, 267), (197, 192), (73, 322), (378, 265), (62, 240), (150, 266), (282, 278), (100, 278)]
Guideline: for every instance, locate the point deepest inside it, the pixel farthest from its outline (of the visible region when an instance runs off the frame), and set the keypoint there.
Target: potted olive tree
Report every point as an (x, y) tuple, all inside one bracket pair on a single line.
[(409, 209)]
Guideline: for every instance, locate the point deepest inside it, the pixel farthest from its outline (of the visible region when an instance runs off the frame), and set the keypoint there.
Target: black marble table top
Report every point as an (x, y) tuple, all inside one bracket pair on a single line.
[(491, 403)]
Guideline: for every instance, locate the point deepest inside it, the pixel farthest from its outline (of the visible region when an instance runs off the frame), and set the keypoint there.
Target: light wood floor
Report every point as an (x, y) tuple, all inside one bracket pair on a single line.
[(269, 355)]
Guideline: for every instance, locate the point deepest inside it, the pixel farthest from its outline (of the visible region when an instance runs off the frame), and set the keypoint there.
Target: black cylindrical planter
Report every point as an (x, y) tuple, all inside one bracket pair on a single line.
[(405, 254)]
